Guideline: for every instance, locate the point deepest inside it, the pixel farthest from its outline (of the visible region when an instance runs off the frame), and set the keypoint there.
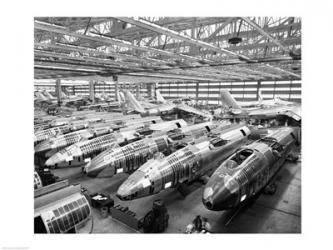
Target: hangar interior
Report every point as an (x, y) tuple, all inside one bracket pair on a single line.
[(167, 124)]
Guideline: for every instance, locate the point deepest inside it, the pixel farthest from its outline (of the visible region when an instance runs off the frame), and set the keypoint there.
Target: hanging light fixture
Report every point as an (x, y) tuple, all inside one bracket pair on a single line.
[(236, 40)]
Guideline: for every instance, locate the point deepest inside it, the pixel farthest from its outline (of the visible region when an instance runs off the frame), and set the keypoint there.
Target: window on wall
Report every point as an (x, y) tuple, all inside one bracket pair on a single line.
[(267, 89), (288, 90), (241, 91), (213, 102), (191, 95), (191, 85), (250, 96)]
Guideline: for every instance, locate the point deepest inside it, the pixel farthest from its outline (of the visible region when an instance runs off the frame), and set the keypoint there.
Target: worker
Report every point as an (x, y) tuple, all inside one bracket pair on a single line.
[(189, 228), (197, 222), (206, 227), (198, 225)]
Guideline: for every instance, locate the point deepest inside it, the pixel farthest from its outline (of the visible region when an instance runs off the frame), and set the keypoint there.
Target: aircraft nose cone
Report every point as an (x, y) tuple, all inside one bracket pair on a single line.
[(52, 160), (101, 162), (42, 147), (94, 168), (133, 186), (207, 198), (220, 199), (55, 159), (208, 203), (221, 194), (124, 192)]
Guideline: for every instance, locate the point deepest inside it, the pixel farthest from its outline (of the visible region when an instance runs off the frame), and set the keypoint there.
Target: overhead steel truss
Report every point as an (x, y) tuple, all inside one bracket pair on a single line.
[(183, 48)]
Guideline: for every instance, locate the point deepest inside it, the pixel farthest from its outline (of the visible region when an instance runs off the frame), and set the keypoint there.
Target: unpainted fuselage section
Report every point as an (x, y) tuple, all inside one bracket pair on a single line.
[(247, 171)]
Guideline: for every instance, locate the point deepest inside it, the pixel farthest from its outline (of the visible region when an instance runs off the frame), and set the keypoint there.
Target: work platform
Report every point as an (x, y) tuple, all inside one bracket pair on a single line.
[(278, 213)]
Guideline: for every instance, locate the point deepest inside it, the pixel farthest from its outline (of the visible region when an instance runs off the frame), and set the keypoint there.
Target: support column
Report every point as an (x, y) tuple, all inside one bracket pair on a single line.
[(258, 88), (58, 91), (155, 89), (197, 92), (149, 90), (92, 91), (137, 91), (115, 79)]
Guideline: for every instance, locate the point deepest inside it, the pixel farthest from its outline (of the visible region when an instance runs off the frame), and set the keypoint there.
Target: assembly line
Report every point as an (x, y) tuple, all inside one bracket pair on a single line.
[(162, 124), (155, 146)]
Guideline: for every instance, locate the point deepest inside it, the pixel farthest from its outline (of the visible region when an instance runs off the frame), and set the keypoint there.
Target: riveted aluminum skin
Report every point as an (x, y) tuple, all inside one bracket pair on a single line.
[(53, 145), (184, 165), (80, 152), (130, 157), (248, 170)]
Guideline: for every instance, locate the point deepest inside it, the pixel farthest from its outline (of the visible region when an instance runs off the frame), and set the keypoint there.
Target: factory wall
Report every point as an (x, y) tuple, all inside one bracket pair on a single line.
[(242, 91)]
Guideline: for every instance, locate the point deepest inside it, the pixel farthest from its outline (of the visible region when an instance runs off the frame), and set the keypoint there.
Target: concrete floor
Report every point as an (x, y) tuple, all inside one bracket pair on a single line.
[(278, 213)]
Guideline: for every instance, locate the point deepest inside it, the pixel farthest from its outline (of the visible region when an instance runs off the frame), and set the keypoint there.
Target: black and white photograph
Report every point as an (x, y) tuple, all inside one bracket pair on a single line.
[(167, 124)]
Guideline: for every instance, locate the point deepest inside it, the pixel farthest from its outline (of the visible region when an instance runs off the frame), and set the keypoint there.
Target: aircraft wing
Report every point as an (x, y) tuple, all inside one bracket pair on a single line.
[(192, 110), (159, 97), (293, 115), (147, 105), (292, 112), (249, 104)]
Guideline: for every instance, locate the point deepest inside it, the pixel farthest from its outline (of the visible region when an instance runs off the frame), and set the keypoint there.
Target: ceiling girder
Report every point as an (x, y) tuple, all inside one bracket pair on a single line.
[(176, 35), (223, 25), (264, 33), (113, 41)]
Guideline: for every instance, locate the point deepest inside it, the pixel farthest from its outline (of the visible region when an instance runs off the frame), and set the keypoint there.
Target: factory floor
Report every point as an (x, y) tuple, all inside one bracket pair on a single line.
[(277, 213)]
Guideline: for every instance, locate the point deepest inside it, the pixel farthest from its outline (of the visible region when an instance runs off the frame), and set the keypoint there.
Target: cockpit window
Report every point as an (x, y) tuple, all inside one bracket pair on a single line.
[(218, 142), (241, 156)]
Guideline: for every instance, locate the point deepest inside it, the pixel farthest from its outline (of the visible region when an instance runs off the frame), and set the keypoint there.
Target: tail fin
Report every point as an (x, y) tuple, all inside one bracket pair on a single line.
[(63, 95), (228, 100), (48, 95), (159, 97), (139, 97), (132, 102), (41, 96), (121, 97)]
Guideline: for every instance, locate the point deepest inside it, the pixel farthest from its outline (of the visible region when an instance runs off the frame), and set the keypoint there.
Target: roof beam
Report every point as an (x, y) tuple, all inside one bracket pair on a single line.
[(65, 65), (247, 33), (264, 33), (67, 47), (67, 68), (101, 61), (175, 23), (205, 73), (96, 69), (282, 70), (107, 40), (257, 72), (174, 76), (213, 35), (90, 58), (259, 46), (176, 35)]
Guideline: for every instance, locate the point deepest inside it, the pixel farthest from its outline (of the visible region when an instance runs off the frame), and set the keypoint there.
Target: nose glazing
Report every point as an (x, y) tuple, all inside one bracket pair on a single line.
[(220, 194)]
